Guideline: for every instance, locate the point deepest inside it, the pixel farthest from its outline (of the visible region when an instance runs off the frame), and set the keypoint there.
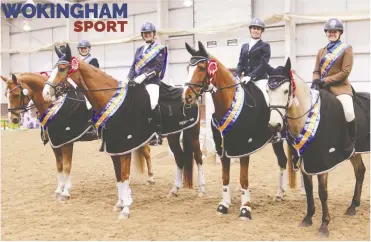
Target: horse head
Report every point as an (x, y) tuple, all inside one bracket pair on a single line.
[(281, 92), (65, 67), (198, 80), (19, 95)]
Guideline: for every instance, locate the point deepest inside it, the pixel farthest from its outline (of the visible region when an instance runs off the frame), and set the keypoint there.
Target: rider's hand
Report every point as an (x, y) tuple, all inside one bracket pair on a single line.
[(139, 79), (318, 82)]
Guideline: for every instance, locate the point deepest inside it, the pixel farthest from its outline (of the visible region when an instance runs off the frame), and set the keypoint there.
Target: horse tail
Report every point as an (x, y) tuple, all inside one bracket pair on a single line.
[(290, 169), (137, 161), (188, 162)]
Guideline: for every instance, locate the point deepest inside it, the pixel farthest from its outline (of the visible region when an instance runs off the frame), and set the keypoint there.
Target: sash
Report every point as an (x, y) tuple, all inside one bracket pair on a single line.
[(52, 110), (308, 133), (148, 55), (234, 111), (332, 55), (110, 109)]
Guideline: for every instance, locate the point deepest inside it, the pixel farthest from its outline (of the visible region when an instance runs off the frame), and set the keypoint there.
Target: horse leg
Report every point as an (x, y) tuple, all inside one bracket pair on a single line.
[(175, 147), (226, 192), (193, 135), (322, 192), (59, 163), (359, 171), (67, 151), (282, 161), (124, 186), (117, 166), (245, 209), (308, 183), (146, 152)]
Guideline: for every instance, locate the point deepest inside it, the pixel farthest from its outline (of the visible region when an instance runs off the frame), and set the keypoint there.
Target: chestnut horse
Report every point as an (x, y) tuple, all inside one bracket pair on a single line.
[(20, 90), (206, 74), (100, 88), (324, 143)]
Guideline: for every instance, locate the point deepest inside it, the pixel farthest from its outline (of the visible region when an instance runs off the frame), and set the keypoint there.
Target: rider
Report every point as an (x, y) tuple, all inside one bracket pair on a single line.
[(83, 48), (149, 67), (252, 57), (333, 66)]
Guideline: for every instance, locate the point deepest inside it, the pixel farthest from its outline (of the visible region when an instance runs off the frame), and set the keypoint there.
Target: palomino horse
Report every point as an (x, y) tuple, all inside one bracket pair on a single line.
[(317, 131), (100, 88), (238, 128), (29, 86)]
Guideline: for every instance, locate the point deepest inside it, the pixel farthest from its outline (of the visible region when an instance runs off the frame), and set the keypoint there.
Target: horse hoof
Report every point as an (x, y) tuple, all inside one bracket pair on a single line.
[(245, 214), (323, 232), (306, 222), (221, 210), (63, 198), (277, 199), (117, 208), (201, 194), (173, 193), (351, 211), (123, 216)]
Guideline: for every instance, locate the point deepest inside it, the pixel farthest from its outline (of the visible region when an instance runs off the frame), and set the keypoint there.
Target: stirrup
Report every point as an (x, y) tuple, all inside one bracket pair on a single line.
[(277, 138)]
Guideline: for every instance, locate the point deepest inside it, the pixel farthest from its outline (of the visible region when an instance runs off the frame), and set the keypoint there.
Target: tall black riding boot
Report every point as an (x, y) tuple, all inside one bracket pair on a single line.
[(157, 119), (352, 129)]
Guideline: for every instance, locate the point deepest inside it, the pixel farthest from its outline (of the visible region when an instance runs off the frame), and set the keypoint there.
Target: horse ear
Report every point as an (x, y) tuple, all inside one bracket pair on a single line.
[(59, 54), (4, 78), (202, 49), (190, 49), (68, 53), (288, 65), (14, 78)]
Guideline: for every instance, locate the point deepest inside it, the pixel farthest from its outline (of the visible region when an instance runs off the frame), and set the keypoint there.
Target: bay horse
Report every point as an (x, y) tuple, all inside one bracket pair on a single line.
[(232, 134), (100, 88), (23, 88), (316, 128)]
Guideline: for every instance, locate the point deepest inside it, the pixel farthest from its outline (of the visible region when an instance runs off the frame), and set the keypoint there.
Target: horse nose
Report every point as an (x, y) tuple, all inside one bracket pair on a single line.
[(274, 127), (15, 120)]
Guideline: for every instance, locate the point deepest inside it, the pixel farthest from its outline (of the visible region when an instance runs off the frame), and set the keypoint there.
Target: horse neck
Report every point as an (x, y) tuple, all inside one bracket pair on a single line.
[(303, 97), (223, 99), (36, 83), (94, 79)]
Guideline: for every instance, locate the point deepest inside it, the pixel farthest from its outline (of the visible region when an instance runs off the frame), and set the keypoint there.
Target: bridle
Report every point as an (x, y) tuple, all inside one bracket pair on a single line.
[(62, 87), (273, 84), (24, 94), (208, 83)]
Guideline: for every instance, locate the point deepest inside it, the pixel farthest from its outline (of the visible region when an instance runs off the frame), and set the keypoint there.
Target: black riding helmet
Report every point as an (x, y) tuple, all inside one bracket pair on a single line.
[(334, 24), (257, 23)]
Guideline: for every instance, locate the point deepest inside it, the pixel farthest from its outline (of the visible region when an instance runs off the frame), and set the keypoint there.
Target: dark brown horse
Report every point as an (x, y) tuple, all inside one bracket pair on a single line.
[(20, 90), (99, 88), (206, 74), (292, 99)]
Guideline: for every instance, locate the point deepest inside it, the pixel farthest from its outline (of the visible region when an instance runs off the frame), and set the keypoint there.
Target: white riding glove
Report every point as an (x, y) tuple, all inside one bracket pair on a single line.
[(140, 79)]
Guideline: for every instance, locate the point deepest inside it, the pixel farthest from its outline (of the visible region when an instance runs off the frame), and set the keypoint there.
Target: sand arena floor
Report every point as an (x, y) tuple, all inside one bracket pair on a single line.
[(30, 212)]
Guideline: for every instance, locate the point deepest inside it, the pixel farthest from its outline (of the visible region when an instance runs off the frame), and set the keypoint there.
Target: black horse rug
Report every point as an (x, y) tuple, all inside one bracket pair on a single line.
[(244, 128), (125, 123), (324, 141), (67, 120)]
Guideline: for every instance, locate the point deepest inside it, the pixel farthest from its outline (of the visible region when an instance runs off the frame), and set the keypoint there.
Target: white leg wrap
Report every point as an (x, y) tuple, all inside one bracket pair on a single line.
[(60, 182), (126, 193), (226, 194), (201, 175), (67, 186), (178, 177), (245, 196), (283, 179)]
